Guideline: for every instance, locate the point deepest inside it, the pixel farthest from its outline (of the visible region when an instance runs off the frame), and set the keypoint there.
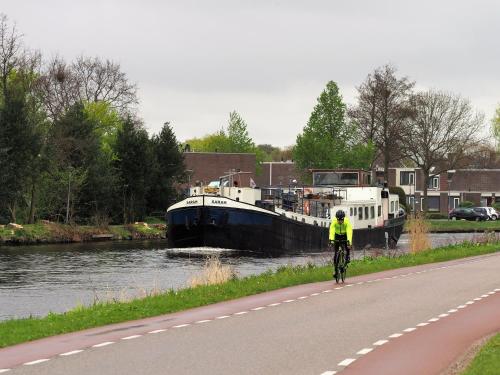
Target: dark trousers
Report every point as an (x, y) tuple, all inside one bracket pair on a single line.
[(339, 238)]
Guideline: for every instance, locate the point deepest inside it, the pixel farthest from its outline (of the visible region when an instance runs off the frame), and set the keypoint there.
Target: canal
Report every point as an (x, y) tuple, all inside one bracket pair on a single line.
[(35, 280)]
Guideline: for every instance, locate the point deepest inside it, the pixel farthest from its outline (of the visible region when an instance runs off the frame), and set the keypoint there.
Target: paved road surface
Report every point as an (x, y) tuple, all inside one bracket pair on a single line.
[(310, 329)]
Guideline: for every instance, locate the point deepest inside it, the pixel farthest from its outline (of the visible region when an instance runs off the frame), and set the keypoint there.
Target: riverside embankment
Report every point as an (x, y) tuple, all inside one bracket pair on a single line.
[(49, 232)]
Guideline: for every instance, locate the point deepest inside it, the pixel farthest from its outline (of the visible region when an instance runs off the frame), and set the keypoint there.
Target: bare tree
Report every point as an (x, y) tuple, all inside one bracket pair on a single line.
[(382, 110), (85, 80), (443, 128), (10, 50)]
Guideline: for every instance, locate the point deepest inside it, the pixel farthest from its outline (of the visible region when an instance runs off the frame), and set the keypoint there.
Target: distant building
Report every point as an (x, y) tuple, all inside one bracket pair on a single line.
[(278, 173)]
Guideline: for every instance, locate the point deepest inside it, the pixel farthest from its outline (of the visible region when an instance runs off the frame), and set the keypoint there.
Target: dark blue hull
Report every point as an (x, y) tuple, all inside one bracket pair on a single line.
[(257, 231)]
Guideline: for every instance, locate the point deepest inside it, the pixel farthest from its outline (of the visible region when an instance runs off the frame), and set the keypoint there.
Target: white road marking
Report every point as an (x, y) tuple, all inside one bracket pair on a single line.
[(469, 302), (443, 315), (497, 290), (131, 337), (2, 370), (288, 301), (478, 299), (370, 281), (203, 321), (314, 294), (394, 277), (361, 282), (379, 342), (452, 310), (422, 324), (491, 293), (365, 350), (241, 313), (329, 373), (349, 285), (409, 329), (222, 317), (461, 307), (181, 325), (157, 331), (485, 295), (339, 287), (326, 291), (258, 308), (346, 362), (274, 304), (36, 362), (303, 297), (71, 353), (433, 320), (103, 344), (395, 335), (387, 278)]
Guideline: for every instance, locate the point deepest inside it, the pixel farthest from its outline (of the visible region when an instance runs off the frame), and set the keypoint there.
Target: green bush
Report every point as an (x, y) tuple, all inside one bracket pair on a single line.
[(400, 192), (466, 204), (496, 206)]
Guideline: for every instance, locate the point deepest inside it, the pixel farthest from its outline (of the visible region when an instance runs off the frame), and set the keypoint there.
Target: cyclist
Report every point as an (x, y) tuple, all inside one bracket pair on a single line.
[(340, 231)]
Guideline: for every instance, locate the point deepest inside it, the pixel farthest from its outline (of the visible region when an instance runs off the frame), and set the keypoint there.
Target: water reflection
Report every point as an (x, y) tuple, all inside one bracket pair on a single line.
[(35, 280)]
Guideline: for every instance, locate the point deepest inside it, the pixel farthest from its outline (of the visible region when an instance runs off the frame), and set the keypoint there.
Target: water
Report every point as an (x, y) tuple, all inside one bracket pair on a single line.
[(35, 280)]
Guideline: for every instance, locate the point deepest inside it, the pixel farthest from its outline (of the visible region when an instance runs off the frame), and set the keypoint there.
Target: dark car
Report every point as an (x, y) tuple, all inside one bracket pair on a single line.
[(467, 214)]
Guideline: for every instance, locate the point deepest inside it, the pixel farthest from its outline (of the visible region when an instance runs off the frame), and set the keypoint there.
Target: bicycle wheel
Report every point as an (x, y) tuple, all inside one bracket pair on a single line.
[(343, 263)]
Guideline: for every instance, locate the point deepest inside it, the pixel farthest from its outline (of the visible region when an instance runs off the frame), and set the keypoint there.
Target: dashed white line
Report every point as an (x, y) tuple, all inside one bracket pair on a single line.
[(131, 337), (485, 295), (103, 344), (203, 321), (314, 294), (469, 302), (2, 370), (258, 308), (349, 285), (395, 335), (409, 329), (361, 282), (380, 342), (222, 317), (433, 320), (452, 310), (36, 362), (157, 331), (461, 307), (288, 300), (71, 353), (365, 350), (339, 287), (478, 299), (422, 324), (327, 291), (491, 293), (241, 313), (181, 325), (329, 373), (443, 315), (346, 362), (274, 304), (303, 297)]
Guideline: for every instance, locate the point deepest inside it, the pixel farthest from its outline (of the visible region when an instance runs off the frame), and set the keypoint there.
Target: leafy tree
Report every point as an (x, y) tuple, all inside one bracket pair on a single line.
[(495, 126), (168, 169), (327, 140), (382, 112), (133, 162), (444, 127)]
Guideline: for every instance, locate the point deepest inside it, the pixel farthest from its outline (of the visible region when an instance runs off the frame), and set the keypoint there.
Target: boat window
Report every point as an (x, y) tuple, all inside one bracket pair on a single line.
[(372, 212), (355, 211), (379, 210), (360, 212), (366, 212), (315, 222), (350, 211), (303, 220), (392, 206)]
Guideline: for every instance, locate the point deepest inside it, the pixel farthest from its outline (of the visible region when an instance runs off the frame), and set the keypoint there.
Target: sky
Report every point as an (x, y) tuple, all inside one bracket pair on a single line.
[(196, 61)]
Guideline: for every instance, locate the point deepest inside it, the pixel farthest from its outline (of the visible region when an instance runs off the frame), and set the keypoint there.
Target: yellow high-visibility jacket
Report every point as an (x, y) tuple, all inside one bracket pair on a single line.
[(344, 228)]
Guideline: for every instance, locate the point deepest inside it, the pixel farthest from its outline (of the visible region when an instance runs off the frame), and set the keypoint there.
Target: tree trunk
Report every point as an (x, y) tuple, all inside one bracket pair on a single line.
[(12, 210), (31, 219), (424, 188), (386, 166), (68, 199)]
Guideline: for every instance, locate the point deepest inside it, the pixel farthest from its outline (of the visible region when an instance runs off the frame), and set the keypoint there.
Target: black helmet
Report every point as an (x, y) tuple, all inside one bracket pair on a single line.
[(340, 215)]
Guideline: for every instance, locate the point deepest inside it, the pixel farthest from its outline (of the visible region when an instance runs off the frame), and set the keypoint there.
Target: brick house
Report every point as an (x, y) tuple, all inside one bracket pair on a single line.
[(446, 190), (278, 173), (203, 167)]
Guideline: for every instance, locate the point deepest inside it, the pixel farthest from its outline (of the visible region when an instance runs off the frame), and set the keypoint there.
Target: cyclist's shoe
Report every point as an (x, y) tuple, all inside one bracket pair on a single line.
[(348, 260), (335, 276)]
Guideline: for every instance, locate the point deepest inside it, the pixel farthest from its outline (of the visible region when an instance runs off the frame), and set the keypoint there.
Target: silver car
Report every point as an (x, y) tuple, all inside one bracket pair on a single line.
[(491, 212)]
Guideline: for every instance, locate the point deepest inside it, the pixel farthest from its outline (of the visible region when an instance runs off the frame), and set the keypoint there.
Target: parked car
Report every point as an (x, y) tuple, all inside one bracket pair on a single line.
[(490, 211), (463, 213)]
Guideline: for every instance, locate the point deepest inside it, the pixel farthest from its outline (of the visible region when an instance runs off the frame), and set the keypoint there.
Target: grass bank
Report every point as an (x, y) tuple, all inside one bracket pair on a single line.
[(47, 232), (21, 330), (462, 226), (487, 361)]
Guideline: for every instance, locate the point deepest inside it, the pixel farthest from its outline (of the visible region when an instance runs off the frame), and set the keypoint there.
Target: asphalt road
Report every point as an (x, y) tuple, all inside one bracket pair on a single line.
[(311, 329)]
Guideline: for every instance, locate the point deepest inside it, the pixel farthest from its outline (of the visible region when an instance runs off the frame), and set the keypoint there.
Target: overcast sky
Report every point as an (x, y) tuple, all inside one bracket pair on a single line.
[(195, 61)]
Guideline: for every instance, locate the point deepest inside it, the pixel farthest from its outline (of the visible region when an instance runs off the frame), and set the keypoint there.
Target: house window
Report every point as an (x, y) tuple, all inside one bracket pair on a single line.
[(406, 178), (421, 204), (434, 183), (456, 202)]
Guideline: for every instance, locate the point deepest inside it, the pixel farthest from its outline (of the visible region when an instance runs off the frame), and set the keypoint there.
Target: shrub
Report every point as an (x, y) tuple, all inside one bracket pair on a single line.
[(466, 204), (418, 231), (400, 192)]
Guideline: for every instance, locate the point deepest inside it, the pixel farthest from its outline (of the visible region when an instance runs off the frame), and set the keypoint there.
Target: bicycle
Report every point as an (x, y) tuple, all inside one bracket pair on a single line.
[(341, 267)]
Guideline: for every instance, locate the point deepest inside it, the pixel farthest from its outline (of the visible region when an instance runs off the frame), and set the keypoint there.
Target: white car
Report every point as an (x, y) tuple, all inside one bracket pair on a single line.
[(492, 213)]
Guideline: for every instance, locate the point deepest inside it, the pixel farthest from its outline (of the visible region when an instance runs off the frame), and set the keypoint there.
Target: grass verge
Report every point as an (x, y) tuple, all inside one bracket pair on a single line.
[(487, 361), (463, 225), (99, 314)]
